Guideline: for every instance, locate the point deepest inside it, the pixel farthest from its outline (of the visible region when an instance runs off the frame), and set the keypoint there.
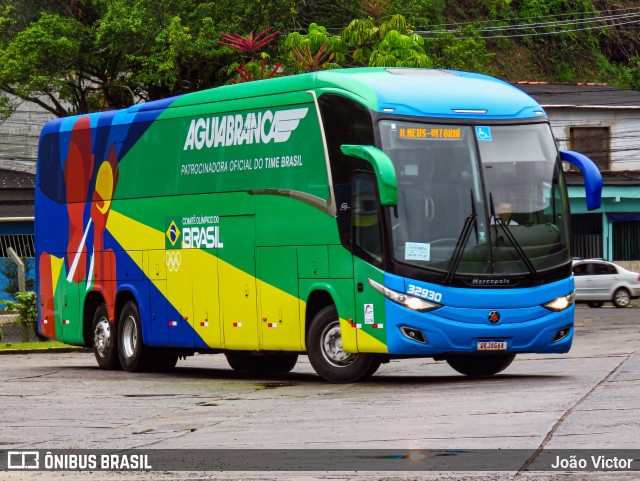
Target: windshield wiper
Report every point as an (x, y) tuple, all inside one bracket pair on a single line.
[(474, 212), (469, 221), (507, 232)]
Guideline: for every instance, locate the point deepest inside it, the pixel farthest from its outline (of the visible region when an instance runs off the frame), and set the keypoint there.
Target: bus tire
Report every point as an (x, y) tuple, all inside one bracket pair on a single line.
[(372, 370), (329, 360), (163, 361), (480, 364), (134, 356), (105, 339), (261, 363)]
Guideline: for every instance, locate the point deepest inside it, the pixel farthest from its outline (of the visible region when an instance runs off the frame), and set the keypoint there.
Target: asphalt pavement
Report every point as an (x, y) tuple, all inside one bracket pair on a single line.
[(587, 399)]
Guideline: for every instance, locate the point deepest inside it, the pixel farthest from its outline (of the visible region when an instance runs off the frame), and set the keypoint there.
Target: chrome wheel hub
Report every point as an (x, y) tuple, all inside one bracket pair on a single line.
[(332, 349), (129, 337), (102, 337)]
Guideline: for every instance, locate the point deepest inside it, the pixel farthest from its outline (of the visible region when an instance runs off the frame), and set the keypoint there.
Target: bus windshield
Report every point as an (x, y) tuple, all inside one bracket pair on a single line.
[(477, 199)]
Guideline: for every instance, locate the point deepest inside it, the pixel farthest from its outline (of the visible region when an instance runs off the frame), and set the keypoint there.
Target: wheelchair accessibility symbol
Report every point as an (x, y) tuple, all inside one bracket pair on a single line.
[(483, 133)]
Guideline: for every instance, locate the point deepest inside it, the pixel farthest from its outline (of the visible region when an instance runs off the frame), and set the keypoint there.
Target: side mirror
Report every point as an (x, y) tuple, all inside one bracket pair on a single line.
[(592, 177), (382, 167)]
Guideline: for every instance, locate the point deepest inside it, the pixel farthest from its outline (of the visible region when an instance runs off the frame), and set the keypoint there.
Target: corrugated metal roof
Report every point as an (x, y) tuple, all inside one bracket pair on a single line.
[(580, 95), (13, 179), (625, 178)]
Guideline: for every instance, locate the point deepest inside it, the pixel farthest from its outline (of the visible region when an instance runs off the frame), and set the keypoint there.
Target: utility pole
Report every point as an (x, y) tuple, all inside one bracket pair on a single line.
[(20, 264)]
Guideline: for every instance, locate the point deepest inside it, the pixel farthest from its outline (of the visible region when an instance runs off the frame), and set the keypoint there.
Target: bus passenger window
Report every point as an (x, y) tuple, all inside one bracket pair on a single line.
[(343, 214), (345, 122), (365, 208)]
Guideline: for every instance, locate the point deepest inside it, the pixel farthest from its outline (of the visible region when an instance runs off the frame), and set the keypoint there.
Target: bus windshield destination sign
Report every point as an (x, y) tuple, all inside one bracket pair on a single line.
[(422, 133)]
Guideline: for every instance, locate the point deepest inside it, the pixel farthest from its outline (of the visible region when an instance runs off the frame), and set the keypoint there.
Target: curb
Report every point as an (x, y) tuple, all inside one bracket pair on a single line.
[(61, 350)]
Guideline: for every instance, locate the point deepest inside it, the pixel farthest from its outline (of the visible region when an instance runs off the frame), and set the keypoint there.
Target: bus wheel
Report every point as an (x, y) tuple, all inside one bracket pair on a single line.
[(328, 358), (164, 361), (133, 355), (480, 365), (104, 339), (261, 363)]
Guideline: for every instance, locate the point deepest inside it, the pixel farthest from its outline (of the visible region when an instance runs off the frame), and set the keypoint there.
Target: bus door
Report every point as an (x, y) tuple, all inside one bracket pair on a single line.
[(67, 311), (50, 267), (206, 304), (192, 285), (156, 331), (65, 282), (237, 282), (279, 323), (179, 264), (368, 253)]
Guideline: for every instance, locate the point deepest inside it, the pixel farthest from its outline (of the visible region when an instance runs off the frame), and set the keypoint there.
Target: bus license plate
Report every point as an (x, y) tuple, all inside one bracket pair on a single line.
[(491, 345)]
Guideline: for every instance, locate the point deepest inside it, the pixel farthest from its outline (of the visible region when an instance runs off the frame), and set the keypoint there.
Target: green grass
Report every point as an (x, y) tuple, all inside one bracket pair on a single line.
[(23, 346)]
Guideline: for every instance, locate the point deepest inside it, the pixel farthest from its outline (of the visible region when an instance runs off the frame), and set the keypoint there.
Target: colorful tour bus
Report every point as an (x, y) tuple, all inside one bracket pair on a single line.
[(354, 216)]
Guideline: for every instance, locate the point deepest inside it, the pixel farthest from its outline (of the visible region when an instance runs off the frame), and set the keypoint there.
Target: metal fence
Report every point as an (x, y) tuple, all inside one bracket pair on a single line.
[(22, 243), (586, 235), (626, 241)]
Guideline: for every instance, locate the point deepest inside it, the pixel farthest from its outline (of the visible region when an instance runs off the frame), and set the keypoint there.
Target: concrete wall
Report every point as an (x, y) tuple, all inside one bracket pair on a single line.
[(20, 134), (630, 265), (624, 125)]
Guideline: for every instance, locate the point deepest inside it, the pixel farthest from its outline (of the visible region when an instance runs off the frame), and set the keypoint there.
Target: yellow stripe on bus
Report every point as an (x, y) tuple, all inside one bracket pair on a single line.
[(56, 270), (368, 343), (192, 288)]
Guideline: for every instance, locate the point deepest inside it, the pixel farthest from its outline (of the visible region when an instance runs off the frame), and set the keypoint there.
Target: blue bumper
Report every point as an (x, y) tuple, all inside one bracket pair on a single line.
[(469, 316)]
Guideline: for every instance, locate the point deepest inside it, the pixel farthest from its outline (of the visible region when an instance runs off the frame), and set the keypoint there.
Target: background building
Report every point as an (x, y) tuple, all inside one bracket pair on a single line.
[(603, 123), (18, 151)]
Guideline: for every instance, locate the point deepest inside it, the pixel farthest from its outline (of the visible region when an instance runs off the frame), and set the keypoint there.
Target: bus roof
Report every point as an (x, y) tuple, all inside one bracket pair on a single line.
[(405, 91)]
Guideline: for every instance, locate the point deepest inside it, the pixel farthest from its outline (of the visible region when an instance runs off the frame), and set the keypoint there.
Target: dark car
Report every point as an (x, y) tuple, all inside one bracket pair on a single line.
[(599, 281)]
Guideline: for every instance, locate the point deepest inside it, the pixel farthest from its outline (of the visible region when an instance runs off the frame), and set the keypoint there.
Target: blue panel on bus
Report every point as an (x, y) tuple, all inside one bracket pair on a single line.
[(454, 95), (468, 316), (480, 297)]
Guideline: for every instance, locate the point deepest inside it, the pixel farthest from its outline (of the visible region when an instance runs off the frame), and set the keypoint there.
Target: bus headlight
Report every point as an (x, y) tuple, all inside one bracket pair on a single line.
[(411, 302), (561, 303)]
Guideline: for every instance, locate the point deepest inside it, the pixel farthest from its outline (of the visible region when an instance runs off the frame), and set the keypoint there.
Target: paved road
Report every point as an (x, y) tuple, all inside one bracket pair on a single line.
[(586, 399)]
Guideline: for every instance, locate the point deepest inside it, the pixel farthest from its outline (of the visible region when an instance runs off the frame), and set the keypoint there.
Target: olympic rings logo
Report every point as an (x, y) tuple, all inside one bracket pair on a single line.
[(173, 260)]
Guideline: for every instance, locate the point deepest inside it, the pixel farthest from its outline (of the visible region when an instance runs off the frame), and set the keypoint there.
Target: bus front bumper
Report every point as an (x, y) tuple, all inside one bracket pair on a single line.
[(465, 330)]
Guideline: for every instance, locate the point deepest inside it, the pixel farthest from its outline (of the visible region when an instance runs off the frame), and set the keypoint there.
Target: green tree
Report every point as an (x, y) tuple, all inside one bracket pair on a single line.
[(76, 56), (385, 43), (331, 14), (25, 304), (466, 51), (316, 50), (420, 13), (560, 42), (47, 63)]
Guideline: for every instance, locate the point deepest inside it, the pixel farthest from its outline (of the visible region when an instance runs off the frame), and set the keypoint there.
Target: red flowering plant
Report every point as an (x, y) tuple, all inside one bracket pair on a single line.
[(251, 46)]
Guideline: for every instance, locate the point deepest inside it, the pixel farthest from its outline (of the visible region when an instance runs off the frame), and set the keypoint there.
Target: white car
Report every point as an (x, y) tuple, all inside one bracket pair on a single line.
[(598, 281)]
